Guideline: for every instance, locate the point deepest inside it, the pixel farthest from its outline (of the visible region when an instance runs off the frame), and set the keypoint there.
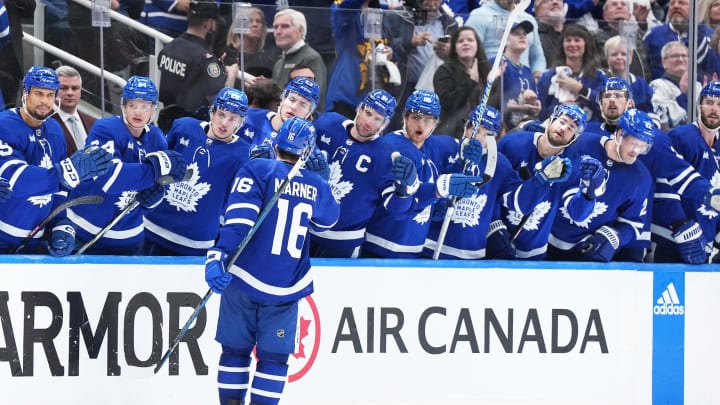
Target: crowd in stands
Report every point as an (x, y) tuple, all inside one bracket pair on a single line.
[(598, 157)]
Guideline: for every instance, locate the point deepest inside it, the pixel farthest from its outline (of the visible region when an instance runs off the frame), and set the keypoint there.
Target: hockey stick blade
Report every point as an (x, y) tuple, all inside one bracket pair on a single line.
[(261, 217), (86, 199)]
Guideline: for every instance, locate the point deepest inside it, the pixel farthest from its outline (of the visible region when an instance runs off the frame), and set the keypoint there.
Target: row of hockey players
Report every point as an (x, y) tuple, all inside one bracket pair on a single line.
[(498, 205)]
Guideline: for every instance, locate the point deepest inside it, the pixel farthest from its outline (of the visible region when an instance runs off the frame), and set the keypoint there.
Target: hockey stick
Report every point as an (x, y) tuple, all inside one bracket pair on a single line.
[(164, 180), (524, 174), (261, 217), (492, 147), (86, 199)]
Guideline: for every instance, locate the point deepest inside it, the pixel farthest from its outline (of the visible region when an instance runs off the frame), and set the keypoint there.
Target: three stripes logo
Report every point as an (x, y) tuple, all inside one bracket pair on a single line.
[(669, 303)]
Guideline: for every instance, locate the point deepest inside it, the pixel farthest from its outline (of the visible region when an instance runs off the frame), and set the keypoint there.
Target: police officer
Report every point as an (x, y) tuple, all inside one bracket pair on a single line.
[(189, 73)]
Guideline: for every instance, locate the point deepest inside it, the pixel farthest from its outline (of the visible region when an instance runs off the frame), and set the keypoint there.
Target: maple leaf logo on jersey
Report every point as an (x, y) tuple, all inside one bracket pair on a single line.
[(125, 198), (423, 216), (325, 139), (467, 210), (40, 200), (536, 216), (185, 195), (46, 162), (600, 208), (184, 141), (703, 209), (249, 133), (339, 188)]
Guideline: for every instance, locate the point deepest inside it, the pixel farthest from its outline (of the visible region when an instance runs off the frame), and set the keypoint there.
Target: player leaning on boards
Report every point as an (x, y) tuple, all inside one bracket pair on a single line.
[(262, 287), (33, 157), (140, 158), (425, 170), (620, 214), (476, 230), (187, 220), (526, 151), (360, 172)]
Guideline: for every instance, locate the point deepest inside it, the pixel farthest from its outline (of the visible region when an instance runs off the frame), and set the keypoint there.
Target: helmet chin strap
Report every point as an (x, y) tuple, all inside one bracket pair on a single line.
[(617, 147)]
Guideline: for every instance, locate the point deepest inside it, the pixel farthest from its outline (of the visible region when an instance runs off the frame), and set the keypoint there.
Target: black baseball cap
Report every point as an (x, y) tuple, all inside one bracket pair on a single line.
[(525, 24), (203, 9)]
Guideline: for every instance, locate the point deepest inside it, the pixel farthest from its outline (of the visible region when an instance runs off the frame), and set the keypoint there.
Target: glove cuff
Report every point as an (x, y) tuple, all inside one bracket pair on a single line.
[(69, 175), (442, 185), (688, 233), (161, 162), (496, 226), (611, 235), (65, 228), (215, 255)]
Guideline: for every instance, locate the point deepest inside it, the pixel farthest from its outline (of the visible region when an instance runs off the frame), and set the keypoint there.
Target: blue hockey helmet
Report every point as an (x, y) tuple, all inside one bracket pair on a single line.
[(231, 100), (41, 77), (618, 84), (382, 102), (139, 88), (574, 112), (304, 87), (712, 89), (423, 102), (490, 118), (296, 136), (638, 124)]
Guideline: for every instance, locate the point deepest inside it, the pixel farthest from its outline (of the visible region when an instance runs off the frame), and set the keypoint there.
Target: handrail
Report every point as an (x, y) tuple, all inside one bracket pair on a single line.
[(77, 62), (132, 23)]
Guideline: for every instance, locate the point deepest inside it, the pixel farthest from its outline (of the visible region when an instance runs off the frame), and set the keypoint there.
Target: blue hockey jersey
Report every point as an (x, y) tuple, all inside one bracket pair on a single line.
[(27, 156), (522, 152), (188, 219), (360, 178), (404, 236), (623, 207), (258, 127), (275, 265), (118, 186)]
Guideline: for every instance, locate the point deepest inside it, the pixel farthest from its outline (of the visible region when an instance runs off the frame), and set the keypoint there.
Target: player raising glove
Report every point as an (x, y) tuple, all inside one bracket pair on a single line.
[(167, 164), (602, 245), (215, 275), (83, 165), (690, 242), (457, 185), (593, 178), (553, 169), (62, 239), (405, 175), (317, 162), (471, 151), (151, 197)]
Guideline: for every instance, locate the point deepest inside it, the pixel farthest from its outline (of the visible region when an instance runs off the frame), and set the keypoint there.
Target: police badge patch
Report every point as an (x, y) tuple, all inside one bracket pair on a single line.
[(213, 70)]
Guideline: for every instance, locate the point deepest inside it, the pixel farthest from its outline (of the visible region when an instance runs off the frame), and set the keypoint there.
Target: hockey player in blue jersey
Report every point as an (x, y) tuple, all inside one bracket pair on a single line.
[(141, 160), (698, 144), (261, 289), (475, 230), (187, 221), (677, 237), (360, 172), (33, 158), (299, 99), (620, 213), (425, 170), (527, 150)]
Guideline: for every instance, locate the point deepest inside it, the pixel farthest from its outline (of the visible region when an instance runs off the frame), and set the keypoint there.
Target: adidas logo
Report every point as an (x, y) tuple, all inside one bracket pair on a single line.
[(669, 302)]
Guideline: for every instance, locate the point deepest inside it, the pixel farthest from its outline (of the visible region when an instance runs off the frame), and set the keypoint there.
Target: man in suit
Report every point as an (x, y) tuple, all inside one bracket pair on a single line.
[(75, 123)]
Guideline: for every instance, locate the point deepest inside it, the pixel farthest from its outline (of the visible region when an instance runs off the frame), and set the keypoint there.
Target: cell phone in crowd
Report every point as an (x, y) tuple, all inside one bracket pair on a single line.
[(444, 39)]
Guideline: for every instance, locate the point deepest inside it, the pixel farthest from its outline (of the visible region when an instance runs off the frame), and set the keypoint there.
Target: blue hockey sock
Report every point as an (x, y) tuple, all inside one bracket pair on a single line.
[(269, 379), (233, 373)]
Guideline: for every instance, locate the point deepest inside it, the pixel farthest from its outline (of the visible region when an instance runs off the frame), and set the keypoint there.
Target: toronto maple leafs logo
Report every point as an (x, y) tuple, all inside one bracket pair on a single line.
[(703, 209), (340, 188), (535, 217), (423, 216), (184, 141), (40, 200), (467, 210), (325, 139), (125, 199), (600, 208), (185, 195)]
